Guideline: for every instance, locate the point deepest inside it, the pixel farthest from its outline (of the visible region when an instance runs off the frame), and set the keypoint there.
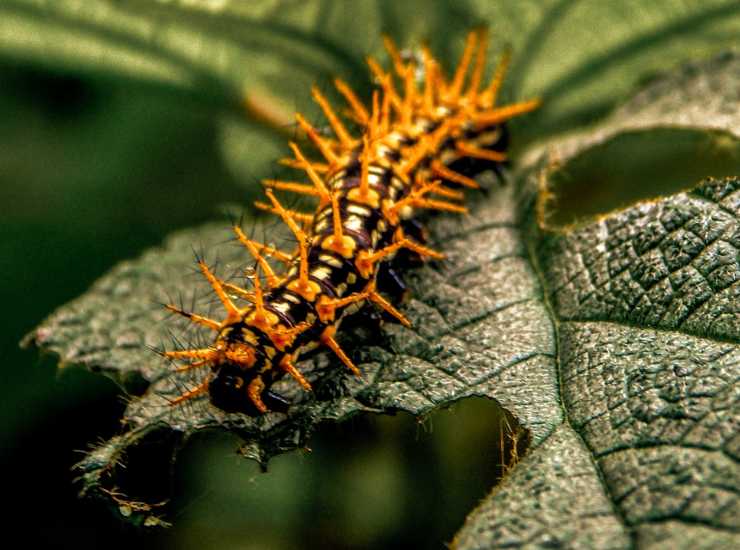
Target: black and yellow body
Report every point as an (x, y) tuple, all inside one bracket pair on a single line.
[(418, 149)]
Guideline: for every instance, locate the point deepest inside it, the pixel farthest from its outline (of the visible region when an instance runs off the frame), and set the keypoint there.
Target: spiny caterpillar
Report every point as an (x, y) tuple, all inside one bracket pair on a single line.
[(419, 147)]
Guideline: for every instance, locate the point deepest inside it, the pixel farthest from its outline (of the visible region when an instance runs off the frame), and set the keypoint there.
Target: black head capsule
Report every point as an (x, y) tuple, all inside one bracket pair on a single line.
[(228, 392)]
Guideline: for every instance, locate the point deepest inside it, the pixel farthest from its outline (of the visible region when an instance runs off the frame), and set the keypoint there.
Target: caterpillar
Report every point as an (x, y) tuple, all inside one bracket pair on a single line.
[(419, 147)]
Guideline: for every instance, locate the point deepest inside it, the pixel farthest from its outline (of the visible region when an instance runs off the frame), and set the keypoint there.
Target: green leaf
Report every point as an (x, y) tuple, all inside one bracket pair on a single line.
[(581, 57), (584, 56), (645, 308), (613, 343), (644, 303), (677, 130), (186, 46)]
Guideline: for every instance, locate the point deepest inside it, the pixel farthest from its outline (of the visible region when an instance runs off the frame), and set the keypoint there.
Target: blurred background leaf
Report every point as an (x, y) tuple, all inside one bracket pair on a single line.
[(122, 121)]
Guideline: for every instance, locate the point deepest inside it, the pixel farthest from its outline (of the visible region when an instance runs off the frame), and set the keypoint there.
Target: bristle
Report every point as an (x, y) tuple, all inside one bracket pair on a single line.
[(365, 262), (197, 391), (417, 198), (292, 187), (478, 153), (323, 144), (338, 242), (358, 109), (392, 50), (303, 286), (300, 236), (384, 119), (192, 366), (239, 291), (231, 310), (496, 116), (439, 169), (480, 64), (489, 96), (341, 132), (272, 279), (386, 83), (204, 354), (197, 319), (318, 183), (365, 168), (300, 216), (453, 92), (430, 81), (374, 127), (409, 99), (318, 167)]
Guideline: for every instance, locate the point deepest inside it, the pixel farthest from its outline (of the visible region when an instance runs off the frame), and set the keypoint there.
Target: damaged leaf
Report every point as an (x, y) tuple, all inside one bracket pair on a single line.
[(613, 342)]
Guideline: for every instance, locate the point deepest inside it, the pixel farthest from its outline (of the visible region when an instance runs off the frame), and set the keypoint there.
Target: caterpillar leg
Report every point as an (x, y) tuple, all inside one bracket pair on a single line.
[(327, 338), (391, 283), (254, 392), (275, 402), (415, 229), (291, 369)]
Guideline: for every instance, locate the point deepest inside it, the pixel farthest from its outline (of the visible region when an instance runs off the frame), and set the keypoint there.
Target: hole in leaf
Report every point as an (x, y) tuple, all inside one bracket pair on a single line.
[(373, 481), (635, 166), (146, 472)]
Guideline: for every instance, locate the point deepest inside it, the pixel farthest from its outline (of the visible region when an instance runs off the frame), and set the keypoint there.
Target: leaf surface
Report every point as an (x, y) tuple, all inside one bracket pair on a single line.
[(645, 304)]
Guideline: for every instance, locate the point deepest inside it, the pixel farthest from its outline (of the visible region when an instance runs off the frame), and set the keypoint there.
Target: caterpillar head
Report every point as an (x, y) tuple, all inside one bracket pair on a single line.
[(241, 374), (228, 391)]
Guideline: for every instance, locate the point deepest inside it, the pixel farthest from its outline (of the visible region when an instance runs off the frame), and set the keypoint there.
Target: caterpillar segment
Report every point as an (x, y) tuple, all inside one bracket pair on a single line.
[(415, 136)]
